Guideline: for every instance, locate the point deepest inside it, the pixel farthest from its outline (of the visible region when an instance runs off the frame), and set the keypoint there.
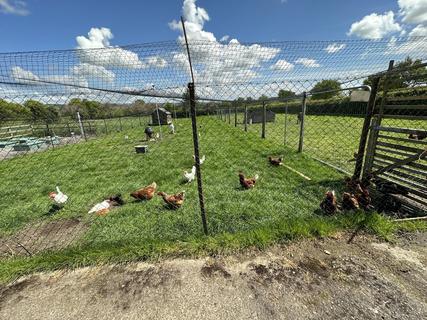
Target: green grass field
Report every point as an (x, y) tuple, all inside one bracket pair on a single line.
[(333, 139), (283, 205)]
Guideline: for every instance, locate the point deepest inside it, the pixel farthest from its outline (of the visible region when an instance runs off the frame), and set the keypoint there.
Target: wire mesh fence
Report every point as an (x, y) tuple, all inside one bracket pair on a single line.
[(277, 125)]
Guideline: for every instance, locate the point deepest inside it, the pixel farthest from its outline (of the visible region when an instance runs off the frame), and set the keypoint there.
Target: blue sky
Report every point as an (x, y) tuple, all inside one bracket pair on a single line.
[(226, 58), (54, 24)]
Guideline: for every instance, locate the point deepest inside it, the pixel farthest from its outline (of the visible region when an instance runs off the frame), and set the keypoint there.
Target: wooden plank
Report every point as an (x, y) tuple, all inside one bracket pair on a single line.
[(410, 98), (423, 142), (394, 160), (422, 181), (405, 182), (392, 151), (406, 107), (401, 130), (410, 219), (400, 147), (396, 116), (405, 168)]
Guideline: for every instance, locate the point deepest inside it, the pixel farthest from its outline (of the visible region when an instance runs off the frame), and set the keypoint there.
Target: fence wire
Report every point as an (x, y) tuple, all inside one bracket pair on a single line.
[(76, 119)]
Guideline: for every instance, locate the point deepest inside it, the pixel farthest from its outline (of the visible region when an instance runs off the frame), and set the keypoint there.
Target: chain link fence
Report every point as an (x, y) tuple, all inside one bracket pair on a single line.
[(254, 142)]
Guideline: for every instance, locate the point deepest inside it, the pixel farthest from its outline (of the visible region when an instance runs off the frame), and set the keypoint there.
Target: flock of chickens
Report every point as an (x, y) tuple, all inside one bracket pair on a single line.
[(355, 197), (146, 193)]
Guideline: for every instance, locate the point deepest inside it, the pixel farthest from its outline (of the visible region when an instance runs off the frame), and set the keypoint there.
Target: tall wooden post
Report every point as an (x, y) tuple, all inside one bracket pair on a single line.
[(365, 129)]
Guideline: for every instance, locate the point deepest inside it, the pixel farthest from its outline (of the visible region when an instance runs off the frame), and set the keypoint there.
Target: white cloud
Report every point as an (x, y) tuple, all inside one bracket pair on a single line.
[(309, 63), (156, 62), (14, 7), (224, 38), (413, 11), (99, 38), (85, 70), (282, 65), (375, 26), (217, 62), (23, 76), (335, 47), (195, 18), (419, 31)]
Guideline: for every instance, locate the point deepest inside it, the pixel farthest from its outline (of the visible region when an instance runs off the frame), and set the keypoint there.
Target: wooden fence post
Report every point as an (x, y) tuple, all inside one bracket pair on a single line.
[(301, 131), (365, 129)]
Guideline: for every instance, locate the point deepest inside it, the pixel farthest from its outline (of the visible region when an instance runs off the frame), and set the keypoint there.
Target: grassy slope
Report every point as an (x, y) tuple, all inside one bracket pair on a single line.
[(282, 205)]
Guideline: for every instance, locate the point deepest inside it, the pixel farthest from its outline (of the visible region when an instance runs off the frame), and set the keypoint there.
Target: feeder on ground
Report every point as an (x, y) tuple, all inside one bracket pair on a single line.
[(141, 149)]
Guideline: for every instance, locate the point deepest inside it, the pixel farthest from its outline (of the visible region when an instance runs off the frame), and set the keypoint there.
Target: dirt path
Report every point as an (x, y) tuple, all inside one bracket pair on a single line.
[(311, 279)]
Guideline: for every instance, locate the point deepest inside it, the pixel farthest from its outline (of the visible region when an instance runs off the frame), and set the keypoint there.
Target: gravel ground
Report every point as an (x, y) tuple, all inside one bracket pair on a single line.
[(310, 279)]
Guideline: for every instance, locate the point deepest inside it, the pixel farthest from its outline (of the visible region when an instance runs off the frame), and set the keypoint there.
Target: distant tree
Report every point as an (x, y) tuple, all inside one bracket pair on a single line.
[(239, 102), (325, 85), (249, 99), (284, 94), (38, 110), (263, 98), (12, 110), (405, 78)]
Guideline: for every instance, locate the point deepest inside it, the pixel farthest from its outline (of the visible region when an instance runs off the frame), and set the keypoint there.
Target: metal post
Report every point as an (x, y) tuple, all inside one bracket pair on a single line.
[(69, 130), (90, 127), (246, 118), (365, 129), (120, 122), (158, 120), (82, 131), (235, 116), (105, 126), (264, 119), (229, 115), (197, 155), (286, 126), (301, 132)]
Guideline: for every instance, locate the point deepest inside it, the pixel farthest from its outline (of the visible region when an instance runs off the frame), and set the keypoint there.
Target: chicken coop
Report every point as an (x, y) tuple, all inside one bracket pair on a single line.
[(256, 116), (161, 116)]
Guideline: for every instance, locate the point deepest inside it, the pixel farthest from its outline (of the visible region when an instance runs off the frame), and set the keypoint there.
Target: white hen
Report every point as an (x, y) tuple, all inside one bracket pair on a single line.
[(58, 197), (190, 176), (106, 204), (202, 159)]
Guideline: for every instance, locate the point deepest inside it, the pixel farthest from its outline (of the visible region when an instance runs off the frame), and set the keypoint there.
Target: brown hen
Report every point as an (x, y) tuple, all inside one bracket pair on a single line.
[(174, 201), (146, 193), (329, 204), (247, 183), (349, 202)]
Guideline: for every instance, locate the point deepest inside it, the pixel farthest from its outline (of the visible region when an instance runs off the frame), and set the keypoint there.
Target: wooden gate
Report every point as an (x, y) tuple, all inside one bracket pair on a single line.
[(397, 148)]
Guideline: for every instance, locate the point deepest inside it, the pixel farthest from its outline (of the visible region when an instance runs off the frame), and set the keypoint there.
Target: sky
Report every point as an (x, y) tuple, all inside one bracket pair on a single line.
[(221, 35), (51, 24)]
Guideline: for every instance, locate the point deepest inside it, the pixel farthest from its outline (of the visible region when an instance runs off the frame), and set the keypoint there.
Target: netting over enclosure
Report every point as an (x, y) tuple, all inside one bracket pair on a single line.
[(112, 127)]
